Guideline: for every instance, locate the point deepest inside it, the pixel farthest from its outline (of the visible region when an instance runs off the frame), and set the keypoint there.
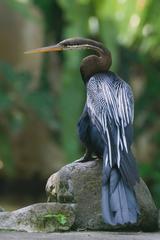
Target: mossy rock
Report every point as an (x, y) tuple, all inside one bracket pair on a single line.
[(40, 217), (81, 183)]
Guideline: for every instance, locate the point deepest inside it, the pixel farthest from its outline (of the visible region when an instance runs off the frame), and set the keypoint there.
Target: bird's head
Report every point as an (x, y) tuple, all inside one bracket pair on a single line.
[(90, 65)]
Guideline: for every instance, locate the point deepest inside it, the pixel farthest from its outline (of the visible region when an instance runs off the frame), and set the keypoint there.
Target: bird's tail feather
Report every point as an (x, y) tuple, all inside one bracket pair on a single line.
[(119, 204)]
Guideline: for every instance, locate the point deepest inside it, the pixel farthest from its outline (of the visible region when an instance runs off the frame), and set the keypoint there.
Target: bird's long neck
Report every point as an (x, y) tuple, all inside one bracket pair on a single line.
[(100, 62), (95, 64)]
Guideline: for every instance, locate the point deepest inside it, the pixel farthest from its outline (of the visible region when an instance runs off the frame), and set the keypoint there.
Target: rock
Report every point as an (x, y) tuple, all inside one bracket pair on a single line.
[(85, 235), (40, 217), (149, 213), (81, 183)]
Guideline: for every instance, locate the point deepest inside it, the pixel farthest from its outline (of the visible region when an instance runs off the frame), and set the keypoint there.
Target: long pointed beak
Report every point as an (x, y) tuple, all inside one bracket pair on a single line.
[(53, 48)]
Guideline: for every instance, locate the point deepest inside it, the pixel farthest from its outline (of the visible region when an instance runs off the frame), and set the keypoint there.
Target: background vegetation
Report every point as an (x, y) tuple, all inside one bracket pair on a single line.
[(131, 30)]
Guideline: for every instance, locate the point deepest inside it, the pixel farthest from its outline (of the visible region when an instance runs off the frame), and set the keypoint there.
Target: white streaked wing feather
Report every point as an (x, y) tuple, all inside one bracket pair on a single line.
[(110, 100)]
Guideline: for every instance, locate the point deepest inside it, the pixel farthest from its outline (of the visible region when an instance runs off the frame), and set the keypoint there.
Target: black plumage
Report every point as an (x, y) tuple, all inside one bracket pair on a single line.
[(106, 129)]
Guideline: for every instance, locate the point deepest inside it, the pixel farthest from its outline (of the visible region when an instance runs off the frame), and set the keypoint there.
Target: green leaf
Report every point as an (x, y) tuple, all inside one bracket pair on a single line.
[(5, 101), (61, 219)]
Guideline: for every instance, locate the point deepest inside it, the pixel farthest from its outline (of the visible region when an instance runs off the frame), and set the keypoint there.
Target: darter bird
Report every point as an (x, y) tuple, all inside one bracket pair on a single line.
[(106, 129)]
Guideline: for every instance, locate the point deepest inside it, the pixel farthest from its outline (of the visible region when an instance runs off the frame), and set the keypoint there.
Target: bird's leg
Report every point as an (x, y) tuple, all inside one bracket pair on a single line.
[(87, 157)]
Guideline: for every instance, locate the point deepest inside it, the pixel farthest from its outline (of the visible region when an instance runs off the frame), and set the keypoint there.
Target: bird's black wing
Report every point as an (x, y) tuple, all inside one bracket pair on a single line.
[(110, 106)]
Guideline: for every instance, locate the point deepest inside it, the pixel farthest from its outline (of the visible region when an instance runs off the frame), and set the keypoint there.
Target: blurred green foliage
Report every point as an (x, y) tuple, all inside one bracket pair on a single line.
[(18, 102), (17, 98), (130, 29)]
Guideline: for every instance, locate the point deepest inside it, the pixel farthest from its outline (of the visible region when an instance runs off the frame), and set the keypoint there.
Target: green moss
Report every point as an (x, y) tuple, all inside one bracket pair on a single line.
[(60, 218), (52, 221)]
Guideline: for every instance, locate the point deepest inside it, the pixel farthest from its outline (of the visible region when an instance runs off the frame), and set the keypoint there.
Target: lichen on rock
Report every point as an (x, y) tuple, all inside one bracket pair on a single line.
[(40, 217)]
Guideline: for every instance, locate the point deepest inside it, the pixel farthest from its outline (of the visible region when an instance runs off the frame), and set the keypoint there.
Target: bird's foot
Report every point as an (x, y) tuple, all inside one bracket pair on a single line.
[(86, 159)]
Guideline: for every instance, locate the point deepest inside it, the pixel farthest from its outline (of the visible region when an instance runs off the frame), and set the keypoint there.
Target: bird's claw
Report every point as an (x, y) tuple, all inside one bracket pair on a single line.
[(86, 159)]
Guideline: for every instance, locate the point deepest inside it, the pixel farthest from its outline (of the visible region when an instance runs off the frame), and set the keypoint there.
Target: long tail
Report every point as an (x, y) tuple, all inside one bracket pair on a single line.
[(119, 204)]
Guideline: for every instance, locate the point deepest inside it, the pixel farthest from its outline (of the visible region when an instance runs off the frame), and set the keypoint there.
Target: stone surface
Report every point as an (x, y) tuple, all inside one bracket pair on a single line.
[(79, 236), (81, 183), (40, 217), (149, 213)]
